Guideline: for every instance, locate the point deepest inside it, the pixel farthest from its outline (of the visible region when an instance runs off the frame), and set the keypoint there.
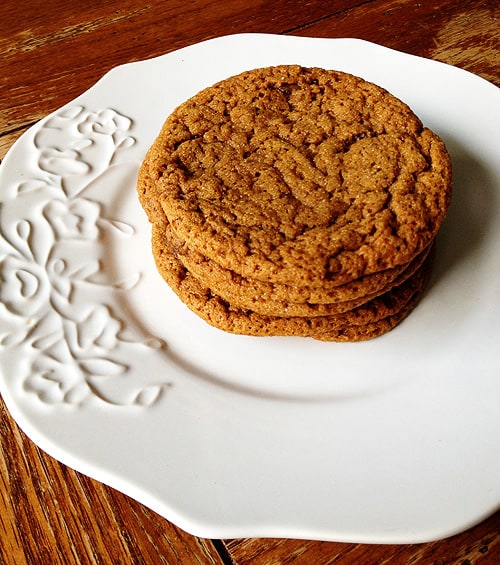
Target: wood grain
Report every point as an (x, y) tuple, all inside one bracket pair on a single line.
[(52, 51), (43, 57), (465, 34)]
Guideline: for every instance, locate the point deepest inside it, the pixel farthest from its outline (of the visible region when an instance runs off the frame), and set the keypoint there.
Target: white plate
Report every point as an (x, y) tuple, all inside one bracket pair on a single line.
[(391, 440)]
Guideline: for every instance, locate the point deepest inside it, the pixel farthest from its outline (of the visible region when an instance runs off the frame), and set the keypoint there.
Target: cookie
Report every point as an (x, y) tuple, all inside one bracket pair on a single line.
[(370, 320), (276, 299), (296, 201), (299, 176), (265, 297)]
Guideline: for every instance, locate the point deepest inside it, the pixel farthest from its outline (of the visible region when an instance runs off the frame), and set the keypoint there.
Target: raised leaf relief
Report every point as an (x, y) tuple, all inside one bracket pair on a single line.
[(52, 252)]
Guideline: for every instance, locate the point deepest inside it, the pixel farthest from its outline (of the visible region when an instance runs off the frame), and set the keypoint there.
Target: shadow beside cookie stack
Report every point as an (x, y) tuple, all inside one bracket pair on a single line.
[(296, 201)]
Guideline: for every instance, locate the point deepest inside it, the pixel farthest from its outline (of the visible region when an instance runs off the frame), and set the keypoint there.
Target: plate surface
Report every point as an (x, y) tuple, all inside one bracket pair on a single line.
[(391, 440)]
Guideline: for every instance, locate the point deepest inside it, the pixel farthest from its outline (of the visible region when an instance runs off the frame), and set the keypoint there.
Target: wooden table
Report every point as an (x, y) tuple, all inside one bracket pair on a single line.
[(51, 51)]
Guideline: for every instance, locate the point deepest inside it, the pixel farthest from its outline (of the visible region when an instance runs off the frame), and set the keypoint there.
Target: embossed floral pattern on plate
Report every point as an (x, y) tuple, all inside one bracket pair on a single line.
[(52, 247)]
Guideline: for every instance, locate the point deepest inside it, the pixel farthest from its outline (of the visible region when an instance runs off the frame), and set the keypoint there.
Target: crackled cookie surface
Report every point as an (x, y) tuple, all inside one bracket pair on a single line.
[(296, 201), (299, 176)]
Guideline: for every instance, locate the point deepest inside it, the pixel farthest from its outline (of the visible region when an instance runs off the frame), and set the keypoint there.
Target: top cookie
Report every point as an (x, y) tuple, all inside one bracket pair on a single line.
[(300, 176)]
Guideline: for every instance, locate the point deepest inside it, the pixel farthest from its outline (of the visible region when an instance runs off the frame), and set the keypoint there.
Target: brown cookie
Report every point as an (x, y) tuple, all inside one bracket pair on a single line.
[(274, 299), (373, 318), (299, 176), (269, 298)]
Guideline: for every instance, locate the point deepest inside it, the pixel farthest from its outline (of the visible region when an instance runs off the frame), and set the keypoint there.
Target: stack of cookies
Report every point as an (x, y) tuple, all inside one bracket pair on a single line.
[(296, 201)]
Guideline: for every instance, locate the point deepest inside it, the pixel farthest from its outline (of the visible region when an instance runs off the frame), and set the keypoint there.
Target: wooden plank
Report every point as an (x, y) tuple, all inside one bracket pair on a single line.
[(59, 51), (465, 34)]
